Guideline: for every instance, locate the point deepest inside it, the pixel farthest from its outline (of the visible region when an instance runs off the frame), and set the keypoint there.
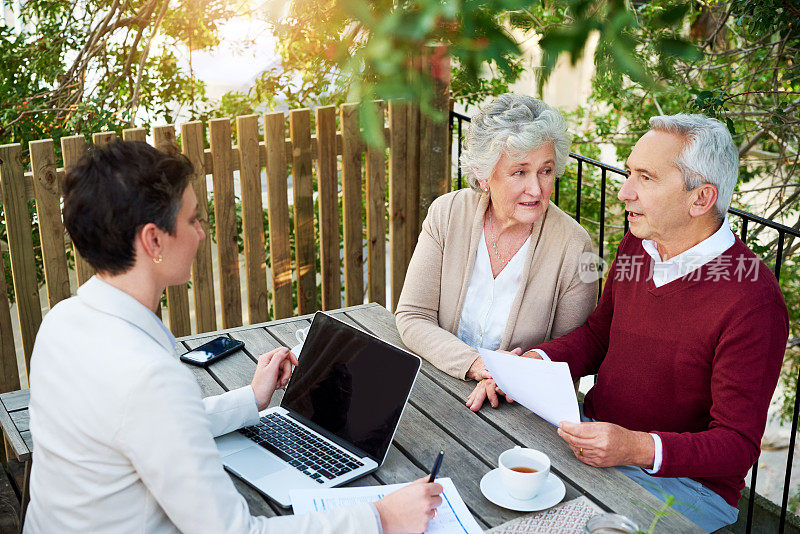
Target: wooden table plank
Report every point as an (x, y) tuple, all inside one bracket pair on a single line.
[(21, 419), (284, 332), (256, 341), (26, 437), (607, 485), (21, 450), (16, 400)]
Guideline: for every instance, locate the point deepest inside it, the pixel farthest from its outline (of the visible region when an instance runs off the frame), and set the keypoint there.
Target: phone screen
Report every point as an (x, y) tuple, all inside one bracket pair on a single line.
[(212, 349)]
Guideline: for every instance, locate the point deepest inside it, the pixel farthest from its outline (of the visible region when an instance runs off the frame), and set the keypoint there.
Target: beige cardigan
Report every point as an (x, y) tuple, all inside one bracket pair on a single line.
[(552, 301)]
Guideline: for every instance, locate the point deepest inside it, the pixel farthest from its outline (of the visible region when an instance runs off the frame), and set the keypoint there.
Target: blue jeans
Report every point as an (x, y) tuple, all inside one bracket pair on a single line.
[(695, 501)]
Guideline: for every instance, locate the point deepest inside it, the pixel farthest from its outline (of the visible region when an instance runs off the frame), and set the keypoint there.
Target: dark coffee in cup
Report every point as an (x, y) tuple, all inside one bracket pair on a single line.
[(524, 469)]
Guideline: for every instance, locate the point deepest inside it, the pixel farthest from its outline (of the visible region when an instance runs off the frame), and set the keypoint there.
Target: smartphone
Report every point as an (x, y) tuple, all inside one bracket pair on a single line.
[(213, 351)]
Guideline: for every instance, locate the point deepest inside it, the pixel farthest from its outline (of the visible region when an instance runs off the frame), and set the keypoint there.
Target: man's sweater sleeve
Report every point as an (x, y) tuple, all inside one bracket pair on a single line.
[(745, 371)]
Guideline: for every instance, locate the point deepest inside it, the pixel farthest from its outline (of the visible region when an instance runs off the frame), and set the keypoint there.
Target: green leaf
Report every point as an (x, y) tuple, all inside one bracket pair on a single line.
[(672, 15), (678, 48)]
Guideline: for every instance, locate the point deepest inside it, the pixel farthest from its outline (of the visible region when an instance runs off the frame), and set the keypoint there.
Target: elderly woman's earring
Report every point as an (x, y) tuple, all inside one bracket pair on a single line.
[(158, 259)]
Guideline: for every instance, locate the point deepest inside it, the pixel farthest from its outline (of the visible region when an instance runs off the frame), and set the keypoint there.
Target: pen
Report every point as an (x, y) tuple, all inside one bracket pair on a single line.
[(436, 466)]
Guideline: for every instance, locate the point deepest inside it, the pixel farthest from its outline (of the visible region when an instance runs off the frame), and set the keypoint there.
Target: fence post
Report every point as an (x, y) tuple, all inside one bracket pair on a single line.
[(48, 210), (433, 178), (134, 134), (328, 185), (398, 191), (252, 219), (303, 192), (205, 313), (413, 179), (278, 214), (9, 372), (376, 216), (351, 206), (20, 244), (225, 219)]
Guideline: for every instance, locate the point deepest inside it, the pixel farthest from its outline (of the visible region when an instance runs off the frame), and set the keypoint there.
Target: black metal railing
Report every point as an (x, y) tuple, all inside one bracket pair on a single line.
[(745, 218)]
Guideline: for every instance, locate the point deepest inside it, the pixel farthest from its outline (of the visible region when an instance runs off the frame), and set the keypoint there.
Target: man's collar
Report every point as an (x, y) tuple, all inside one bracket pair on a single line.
[(106, 298), (710, 248)]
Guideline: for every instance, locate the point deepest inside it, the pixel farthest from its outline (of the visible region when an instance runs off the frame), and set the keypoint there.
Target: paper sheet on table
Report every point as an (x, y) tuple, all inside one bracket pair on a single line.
[(543, 387), (452, 516)]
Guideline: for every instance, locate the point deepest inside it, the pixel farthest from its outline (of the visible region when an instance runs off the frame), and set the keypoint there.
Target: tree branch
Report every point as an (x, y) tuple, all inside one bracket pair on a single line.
[(134, 102)]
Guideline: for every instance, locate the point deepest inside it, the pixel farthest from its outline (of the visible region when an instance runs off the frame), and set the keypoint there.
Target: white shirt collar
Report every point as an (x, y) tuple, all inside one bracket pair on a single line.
[(684, 263), (106, 298)]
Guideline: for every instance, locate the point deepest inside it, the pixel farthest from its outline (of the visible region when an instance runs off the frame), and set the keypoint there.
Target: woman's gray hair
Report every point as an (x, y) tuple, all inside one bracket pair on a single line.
[(512, 125), (709, 155)]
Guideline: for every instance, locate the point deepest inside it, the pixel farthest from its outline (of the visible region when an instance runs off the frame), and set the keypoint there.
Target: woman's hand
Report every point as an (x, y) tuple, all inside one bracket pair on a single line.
[(485, 390), (409, 509), (478, 370), (273, 371)]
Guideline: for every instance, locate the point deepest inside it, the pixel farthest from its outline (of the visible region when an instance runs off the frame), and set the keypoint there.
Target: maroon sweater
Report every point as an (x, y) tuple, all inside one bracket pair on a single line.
[(695, 361)]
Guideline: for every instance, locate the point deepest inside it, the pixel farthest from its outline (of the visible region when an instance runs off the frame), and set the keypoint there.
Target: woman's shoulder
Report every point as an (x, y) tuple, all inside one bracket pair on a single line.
[(462, 202), (562, 225)]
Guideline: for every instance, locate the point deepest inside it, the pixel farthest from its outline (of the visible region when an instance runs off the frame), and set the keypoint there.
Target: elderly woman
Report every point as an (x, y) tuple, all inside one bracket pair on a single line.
[(123, 439), (497, 266)]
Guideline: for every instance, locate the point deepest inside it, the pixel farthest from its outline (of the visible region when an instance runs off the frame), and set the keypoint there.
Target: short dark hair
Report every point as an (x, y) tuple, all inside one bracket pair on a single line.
[(115, 190)]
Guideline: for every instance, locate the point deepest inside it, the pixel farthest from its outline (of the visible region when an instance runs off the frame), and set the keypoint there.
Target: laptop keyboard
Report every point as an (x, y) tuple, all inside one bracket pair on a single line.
[(300, 448)]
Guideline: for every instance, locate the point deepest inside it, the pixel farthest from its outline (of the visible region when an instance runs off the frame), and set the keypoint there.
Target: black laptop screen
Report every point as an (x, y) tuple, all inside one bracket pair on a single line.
[(351, 384)]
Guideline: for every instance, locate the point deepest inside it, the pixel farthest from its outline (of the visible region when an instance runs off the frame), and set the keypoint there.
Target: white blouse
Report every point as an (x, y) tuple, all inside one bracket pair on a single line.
[(488, 301)]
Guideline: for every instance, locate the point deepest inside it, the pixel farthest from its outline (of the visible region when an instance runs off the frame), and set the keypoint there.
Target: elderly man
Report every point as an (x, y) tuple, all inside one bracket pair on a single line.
[(689, 334)]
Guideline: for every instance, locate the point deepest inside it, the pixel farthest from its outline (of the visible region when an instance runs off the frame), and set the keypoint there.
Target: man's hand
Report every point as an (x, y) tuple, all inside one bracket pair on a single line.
[(485, 390), (410, 508), (606, 444), (532, 354), (273, 371)]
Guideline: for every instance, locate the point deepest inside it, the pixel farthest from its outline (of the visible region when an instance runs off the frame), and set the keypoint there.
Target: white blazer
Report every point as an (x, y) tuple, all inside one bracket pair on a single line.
[(123, 441)]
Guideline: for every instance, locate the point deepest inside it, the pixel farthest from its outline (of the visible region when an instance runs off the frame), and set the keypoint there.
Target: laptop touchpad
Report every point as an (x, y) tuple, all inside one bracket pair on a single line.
[(253, 463)]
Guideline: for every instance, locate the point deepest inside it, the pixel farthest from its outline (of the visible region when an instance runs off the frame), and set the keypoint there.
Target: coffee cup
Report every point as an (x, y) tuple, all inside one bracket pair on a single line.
[(523, 472), (300, 334)]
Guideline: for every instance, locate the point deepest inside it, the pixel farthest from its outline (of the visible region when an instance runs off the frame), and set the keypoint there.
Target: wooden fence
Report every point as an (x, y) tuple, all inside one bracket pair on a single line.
[(416, 156)]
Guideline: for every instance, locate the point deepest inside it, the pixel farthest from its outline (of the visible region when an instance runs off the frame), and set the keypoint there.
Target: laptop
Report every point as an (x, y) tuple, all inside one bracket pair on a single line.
[(337, 418)]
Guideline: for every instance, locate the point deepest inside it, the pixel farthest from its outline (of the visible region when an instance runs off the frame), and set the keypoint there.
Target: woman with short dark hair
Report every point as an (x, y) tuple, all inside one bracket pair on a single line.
[(123, 440)]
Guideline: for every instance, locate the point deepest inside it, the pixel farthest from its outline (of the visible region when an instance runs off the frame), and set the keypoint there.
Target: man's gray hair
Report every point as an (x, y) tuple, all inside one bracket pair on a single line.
[(709, 155), (512, 125)]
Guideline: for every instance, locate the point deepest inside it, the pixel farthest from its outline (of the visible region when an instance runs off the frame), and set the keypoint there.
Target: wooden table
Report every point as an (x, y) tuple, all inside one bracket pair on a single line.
[(436, 418)]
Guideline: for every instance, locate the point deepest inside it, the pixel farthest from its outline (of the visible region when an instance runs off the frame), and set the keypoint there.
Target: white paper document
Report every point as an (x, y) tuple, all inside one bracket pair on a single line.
[(452, 516), (543, 387)]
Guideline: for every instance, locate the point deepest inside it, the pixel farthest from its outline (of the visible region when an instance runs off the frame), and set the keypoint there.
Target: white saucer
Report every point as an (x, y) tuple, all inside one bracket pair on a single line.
[(551, 493)]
